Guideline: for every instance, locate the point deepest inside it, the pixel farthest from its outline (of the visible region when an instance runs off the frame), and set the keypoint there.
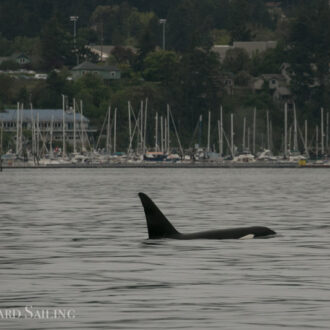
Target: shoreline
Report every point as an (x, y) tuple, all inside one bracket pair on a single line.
[(169, 165)]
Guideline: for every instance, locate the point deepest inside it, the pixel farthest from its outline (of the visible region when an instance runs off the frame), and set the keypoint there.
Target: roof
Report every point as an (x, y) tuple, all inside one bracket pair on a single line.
[(250, 46), (106, 50), (44, 115), (269, 76), (88, 66)]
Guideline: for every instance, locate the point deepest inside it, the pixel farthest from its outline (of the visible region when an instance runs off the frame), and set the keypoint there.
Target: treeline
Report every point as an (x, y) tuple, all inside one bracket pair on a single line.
[(187, 75), (190, 23)]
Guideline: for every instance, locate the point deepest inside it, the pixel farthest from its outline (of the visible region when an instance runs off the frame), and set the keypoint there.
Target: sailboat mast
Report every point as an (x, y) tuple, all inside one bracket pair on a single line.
[(161, 134), (51, 136), (115, 132), (17, 128), (108, 140), (200, 131), (221, 134), (145, 126), (322, 133), (285, 130), (21, 129), (32, 130), (156, 132), (63, 126), (268, 135), (1, 141), (254, 130), (317, 142), (232, 134), (327, 134), (74, 127), (295, 131), (168, 129), (165, 135), (306, 137), (38, 136), (129, 126), (244, 134), (82, 128), (141, 130), (209, 132)]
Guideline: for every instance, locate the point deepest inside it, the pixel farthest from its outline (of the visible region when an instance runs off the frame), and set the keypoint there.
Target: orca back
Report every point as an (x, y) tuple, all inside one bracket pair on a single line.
[(160, 227), (157, 223)]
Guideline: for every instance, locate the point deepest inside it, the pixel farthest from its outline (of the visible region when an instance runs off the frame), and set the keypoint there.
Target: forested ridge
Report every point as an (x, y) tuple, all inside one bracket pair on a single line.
[(188, 75)]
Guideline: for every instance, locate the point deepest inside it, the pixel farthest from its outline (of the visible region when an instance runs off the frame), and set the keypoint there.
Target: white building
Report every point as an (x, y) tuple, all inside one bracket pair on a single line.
[(43, 120)]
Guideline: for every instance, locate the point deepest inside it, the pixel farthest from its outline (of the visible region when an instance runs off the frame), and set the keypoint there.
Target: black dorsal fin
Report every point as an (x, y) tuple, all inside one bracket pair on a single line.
[(158, 225)]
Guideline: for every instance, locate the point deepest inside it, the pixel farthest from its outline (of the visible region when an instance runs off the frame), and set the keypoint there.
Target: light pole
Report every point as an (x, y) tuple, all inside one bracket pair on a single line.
[(74, 19), (163, 21)]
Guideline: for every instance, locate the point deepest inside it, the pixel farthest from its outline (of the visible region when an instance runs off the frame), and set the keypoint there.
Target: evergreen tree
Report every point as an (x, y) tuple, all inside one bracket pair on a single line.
[(309, 53), (56, 45)]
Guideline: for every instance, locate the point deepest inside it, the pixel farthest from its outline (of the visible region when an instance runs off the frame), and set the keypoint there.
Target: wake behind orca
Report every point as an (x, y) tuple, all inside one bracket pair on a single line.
[(160, 227)]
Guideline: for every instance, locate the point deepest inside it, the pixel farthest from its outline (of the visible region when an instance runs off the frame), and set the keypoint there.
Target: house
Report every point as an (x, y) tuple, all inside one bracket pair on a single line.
[(19, 58), (277, 84), (251, 47), (104, 71), (227, 79)]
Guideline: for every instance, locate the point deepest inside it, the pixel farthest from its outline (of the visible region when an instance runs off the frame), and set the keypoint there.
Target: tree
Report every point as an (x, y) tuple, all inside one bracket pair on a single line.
[(243, 15), (189, 26), (6, 88), (309, 53), (236, 60), (56, 45), (161, 66), (123, 55), (200, 88), (269, 61)]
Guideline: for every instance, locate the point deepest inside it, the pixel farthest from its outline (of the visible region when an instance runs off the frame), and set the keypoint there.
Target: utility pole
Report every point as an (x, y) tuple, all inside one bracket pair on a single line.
[(74, 19), (163, 22)]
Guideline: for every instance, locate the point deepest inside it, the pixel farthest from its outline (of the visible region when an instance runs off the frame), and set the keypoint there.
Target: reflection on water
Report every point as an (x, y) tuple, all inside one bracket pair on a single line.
[(76, 239)]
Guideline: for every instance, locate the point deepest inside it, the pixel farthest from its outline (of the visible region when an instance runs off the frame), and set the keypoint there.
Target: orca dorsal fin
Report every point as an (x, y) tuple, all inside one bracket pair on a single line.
[(158, 225)]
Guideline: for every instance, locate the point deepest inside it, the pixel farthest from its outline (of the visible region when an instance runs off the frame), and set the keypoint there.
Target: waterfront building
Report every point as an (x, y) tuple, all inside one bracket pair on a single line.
[(46, 121)]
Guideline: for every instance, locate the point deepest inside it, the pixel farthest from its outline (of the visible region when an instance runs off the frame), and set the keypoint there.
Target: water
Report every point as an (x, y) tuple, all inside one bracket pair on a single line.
[(75, 240)]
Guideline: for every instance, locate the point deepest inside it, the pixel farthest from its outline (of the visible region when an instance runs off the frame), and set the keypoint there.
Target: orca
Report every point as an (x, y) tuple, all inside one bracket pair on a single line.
[(159, 227)]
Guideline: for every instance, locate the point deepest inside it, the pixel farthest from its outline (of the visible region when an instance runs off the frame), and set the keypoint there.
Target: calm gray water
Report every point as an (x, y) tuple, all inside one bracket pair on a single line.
[(75, 240)]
